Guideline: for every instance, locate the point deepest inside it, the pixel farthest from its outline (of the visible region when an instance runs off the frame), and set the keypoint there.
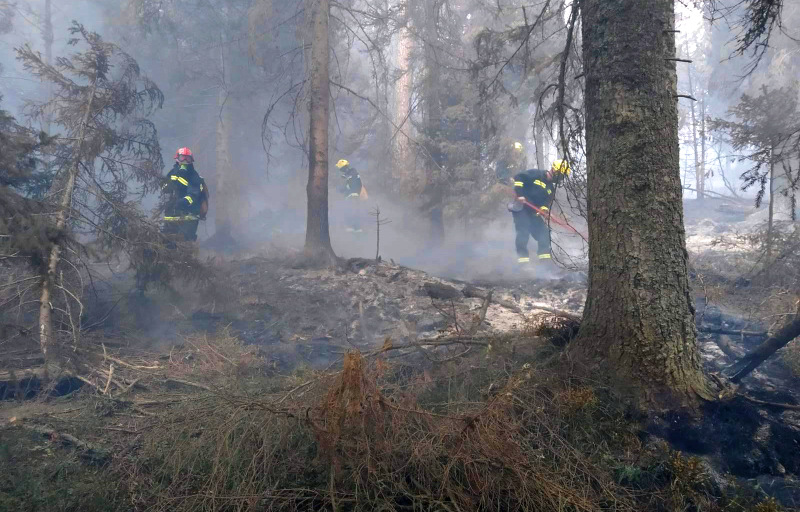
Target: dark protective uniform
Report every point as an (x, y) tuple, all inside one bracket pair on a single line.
[(351, 188), (534, 186), (186, 191)]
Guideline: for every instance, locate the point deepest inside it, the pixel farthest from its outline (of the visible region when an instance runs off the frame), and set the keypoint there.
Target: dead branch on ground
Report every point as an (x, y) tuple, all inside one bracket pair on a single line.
[(753, 359)]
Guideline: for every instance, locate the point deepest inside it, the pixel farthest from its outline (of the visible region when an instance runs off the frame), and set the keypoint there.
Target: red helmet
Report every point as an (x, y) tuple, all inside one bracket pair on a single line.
[(184, 155)]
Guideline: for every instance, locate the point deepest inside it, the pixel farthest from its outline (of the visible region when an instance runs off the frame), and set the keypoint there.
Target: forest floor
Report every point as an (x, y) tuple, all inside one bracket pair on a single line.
[(252, 398)]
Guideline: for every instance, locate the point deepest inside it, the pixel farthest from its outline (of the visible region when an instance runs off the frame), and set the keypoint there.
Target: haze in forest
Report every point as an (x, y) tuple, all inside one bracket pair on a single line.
[(267, 193)]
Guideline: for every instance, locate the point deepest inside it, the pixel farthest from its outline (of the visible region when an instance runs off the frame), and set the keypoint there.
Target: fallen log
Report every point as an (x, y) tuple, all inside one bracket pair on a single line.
[(724, 344), (191, 384), (94, 453), (753, 359), (733, 332)]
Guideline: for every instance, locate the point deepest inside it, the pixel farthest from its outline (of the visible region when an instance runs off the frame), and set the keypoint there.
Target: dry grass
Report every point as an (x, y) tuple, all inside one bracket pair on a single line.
[(477, 434), (373, 437), (350, 443)]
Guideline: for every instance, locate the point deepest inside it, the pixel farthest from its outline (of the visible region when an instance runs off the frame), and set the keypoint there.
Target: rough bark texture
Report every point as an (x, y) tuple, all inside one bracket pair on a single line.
[(402, 158), (318, 239), (639, 320), (46, 332)]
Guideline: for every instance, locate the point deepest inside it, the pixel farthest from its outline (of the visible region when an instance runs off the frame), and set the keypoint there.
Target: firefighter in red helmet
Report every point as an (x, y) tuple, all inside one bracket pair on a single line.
[(186, 197)]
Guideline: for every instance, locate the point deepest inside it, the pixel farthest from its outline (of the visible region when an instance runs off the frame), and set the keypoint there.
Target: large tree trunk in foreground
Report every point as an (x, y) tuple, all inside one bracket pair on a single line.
[(638, 322), (318, 238), (46, 332)]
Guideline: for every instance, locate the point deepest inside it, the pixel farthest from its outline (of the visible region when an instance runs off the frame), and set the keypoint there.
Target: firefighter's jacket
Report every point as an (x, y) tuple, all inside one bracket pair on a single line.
[(186, 193), (534, 186), (352, 185)]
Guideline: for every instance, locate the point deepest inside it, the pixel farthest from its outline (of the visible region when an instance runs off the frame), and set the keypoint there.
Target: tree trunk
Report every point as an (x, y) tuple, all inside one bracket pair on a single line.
[(46, 332), (771, 218), (224, 195), (784, 177), (698, 172), (48, 55), (403, 162), (638, 322), (318, 239), (541, 144), (701, 182), (433, 118)]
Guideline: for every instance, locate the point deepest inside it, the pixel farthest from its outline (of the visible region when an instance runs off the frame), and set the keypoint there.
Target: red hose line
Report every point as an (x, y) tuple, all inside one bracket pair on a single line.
[(551, 217)]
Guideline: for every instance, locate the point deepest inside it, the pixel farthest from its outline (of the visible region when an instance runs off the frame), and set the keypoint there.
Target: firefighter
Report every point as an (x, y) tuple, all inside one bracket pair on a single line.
[(354, 191), (187, 197), (535, 187), (513, 160)]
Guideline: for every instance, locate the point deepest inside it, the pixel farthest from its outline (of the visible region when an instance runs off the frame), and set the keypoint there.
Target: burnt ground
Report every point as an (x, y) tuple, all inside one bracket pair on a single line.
[(311, 316), (305, 317), (308, 318)]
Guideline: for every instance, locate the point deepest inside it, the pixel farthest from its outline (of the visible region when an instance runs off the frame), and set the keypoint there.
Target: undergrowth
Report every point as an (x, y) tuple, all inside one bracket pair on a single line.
[(484, 433), (465, 436)]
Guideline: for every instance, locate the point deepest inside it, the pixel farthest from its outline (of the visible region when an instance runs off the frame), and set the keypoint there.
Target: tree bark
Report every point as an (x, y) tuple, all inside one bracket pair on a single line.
[(318, 239), (403, 162), (46, 332), (761, 353), (225, 197), (638, 322)]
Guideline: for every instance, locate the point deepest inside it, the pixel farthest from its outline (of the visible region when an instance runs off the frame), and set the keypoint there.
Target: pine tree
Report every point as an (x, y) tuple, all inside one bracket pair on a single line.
[(109, 158)]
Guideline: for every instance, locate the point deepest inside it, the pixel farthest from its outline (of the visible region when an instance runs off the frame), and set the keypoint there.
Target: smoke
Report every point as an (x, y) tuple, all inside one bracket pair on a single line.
[(222, 68)]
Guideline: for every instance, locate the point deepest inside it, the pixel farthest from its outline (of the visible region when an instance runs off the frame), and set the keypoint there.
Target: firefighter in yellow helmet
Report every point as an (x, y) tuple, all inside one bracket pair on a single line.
[(535, 187), (512, 160), (353, 190)]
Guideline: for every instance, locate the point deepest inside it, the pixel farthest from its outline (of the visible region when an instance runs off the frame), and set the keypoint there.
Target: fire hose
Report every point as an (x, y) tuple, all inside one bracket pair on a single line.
[(549, 216)]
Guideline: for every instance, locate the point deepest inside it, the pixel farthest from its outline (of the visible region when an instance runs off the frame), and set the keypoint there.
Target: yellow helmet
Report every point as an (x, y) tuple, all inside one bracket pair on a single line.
[(561, 166), (341, 163), (518, 146)]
